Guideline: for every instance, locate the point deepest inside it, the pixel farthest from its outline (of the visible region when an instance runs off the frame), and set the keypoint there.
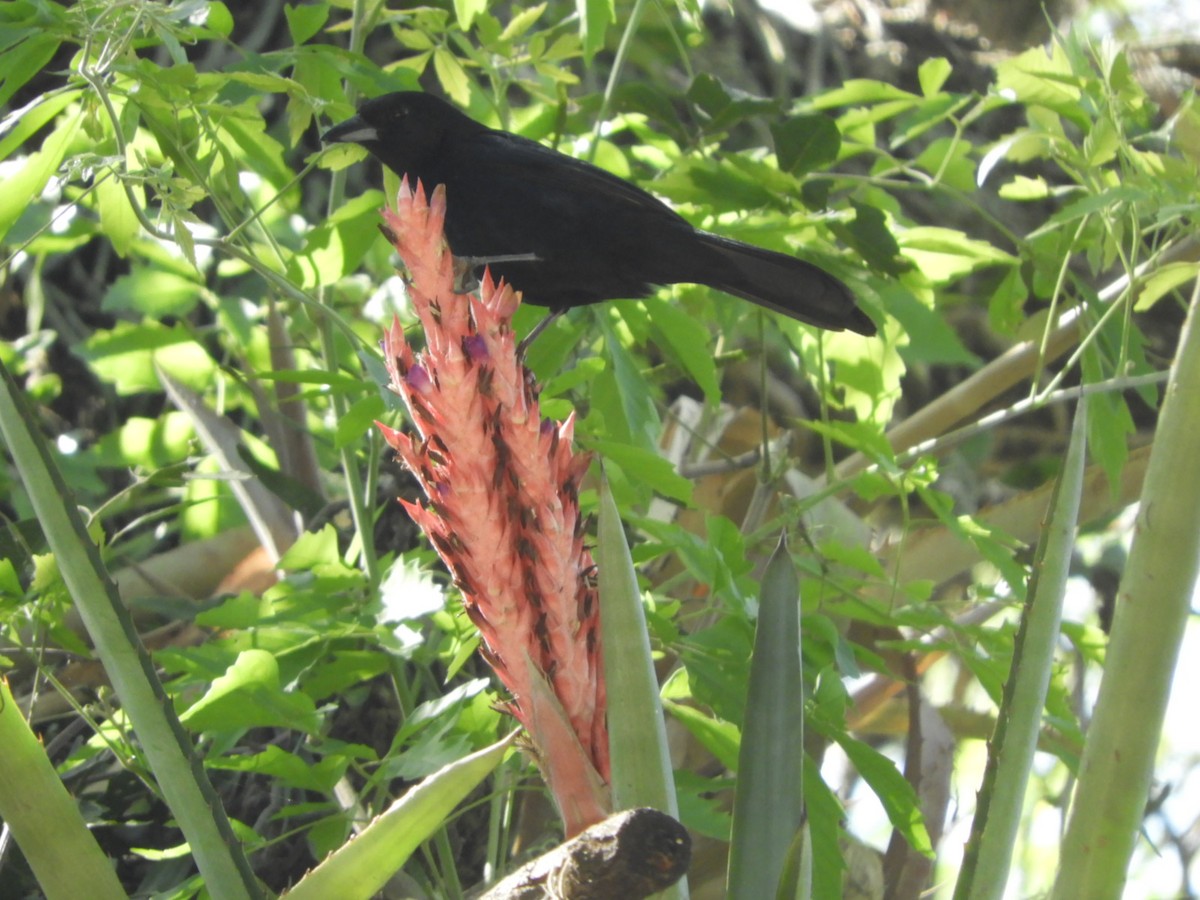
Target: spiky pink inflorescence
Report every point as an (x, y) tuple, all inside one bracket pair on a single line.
[(502, 508)]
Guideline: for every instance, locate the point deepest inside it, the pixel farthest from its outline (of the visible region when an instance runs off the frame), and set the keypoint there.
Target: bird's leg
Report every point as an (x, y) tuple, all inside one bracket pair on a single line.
[(465, 281), (537, 329), (465, 266)]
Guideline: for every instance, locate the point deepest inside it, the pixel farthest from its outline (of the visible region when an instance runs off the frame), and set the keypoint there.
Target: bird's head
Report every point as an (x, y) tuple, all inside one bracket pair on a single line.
[(403, 130)]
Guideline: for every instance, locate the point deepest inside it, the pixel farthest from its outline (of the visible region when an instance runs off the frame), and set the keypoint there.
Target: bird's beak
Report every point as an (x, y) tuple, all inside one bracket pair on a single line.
[(354, 130)]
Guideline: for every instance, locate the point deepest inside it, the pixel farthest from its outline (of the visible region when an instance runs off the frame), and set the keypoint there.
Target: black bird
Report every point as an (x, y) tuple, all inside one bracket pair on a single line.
[(566, 233)]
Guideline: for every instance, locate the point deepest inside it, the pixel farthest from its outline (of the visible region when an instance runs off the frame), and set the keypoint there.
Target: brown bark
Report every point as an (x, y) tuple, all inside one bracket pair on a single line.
[(630, 855)]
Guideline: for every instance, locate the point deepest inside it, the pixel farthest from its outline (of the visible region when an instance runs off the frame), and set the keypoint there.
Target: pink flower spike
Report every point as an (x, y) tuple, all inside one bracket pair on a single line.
[(502, 506)]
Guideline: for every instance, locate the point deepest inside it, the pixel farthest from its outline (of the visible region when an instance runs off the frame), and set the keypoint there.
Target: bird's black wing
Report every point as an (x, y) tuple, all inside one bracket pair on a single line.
[(512, 159), (595, 235)]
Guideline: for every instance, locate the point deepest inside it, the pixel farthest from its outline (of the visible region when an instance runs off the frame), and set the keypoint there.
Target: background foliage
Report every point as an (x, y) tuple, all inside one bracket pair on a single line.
[(192, 303)]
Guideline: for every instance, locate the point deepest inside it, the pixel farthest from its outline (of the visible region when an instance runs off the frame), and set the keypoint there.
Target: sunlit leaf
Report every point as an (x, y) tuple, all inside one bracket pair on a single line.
[(249, 695), (305, 20), (452, 76), (25, 184), (932, 74), (466, 11), (594, 18)]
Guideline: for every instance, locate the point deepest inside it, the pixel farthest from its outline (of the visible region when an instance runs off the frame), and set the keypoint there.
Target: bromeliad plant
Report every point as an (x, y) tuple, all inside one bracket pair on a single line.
[(502, 506)]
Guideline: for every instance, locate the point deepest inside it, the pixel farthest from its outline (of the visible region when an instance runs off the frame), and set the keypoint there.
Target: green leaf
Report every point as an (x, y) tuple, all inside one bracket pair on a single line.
[(312, 549), (305, 20), (248, 695), (320, 776), (25, 184), (646, 467), (709, 94), (1110, 202), (127, 355), (452, 77), (944, 255), (466, 11), (1021, 146), (687, 338), (521, 23), (869, 235), (1006, 306), (10, 557), (650, 100), (728, 184), (825, 815), (860, 92), (1102, 143), (717, 558), (22, 62), (259, 148), (362, 866), (218, 19), (343, 670), (717, 658), (1023, 188), (264, 82), (932, 74), (144, 705), (626, 389), (768, 805), (1109, 426), (1162, 281), (295, 493), (242, 611), (641, 762), (153, 293), (870, 385), (45, 817), (142, 441), (719, 737), (117, 216), (594, 18), (1040, 79), (579, 377), (724, 106), (334, 248), (700, 805), (806, 143), (931, 339), (34, 118), (950, 161), (893, 790), (358, 420), (432, 749), (990, 541)]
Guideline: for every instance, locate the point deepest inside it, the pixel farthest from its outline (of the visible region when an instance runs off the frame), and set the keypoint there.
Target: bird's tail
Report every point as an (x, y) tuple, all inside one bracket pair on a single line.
[(787, 285)]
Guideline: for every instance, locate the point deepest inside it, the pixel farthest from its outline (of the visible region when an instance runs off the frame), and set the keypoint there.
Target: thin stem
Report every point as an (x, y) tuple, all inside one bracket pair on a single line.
[(1022, 407), (614, 76), (763, 396), (358, 499)]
